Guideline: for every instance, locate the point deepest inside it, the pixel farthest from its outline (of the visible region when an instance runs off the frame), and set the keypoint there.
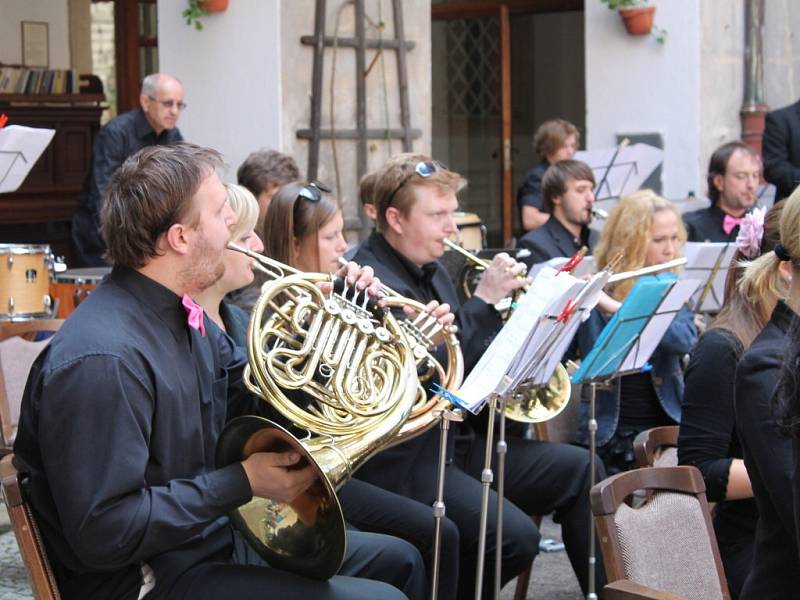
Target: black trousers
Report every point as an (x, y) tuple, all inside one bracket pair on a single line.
[(545, 477), (371, 508), (376, 566)]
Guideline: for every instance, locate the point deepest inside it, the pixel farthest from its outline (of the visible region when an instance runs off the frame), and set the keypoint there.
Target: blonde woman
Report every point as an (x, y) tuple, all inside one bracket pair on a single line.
[(643, 230)]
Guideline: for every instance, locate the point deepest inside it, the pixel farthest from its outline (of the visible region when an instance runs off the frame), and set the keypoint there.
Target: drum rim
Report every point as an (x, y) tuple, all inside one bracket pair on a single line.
[(9, 317), (25, 249)]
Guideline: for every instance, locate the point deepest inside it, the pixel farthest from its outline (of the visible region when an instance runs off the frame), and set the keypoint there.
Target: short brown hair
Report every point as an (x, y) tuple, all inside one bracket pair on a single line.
[(551, 135), (366, 188), (395, 181), (266, 168), (289, 216), (554, 182), (150, 192)]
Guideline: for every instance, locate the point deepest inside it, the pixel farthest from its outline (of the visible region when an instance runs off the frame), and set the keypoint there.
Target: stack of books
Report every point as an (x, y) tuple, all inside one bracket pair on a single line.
[(33, 81)]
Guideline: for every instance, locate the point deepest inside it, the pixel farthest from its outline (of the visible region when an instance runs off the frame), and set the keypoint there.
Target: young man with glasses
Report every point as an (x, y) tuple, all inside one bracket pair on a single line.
[(415, 198), (153, 123)]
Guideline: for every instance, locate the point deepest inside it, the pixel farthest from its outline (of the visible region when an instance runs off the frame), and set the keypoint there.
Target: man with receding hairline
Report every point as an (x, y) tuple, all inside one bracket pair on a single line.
[(154, 122)]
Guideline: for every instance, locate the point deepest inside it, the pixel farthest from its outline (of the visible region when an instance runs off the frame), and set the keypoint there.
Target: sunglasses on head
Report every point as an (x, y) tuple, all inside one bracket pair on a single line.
[(313, 191), (424, 168)]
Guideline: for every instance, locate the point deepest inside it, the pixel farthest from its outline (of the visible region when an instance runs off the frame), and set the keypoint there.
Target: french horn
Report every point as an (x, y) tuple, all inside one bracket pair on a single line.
[(343, 374)]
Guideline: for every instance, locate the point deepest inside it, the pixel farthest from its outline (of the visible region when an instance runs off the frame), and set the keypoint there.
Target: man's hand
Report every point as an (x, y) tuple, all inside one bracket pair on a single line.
[(500, 279), (270, 476)]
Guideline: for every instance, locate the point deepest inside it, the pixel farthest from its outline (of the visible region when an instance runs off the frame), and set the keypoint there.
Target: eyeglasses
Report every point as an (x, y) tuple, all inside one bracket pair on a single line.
[(424, 169), (313, 191), (169, 103)]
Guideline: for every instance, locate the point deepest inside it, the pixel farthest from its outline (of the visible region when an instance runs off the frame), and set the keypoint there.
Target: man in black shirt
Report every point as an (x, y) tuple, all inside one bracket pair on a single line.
[(568, 196), (155, 122), (122, 413), (733, 175), (415, 198), (781, 147)]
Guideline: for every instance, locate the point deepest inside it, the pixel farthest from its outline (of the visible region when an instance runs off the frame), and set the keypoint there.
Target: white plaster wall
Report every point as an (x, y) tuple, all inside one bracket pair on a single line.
[(781, 52), (53, 12), (231, 72), (634, 84)]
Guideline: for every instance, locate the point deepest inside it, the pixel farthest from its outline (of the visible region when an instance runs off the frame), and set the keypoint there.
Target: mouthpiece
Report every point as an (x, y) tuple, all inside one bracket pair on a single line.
[(599, 213)]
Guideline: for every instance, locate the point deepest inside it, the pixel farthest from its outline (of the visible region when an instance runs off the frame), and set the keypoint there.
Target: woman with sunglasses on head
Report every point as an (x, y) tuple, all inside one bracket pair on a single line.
[(708, 436), (304, 228), (767, 451), (644, 230)]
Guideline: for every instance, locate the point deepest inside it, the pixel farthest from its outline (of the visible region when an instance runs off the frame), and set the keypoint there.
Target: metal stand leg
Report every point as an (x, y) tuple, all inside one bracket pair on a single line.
[(486, 480), (591, 595), (438, 506), (502, 450)]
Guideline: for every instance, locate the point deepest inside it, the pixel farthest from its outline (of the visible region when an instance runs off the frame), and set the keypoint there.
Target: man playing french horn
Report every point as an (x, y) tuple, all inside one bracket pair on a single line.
[(415, 199), (122, 412)]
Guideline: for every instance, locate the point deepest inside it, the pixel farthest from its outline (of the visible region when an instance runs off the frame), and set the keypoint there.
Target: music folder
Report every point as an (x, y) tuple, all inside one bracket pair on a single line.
[(709, 262), (631, 336), (534, 339), (20, 148)]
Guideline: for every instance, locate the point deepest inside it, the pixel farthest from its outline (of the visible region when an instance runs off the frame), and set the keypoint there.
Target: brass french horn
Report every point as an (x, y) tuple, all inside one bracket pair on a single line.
[(339, 372)]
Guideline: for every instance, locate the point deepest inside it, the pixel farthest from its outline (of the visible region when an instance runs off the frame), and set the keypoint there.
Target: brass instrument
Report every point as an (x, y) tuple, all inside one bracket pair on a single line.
[(599, 213), (336, 371), (530, 404)]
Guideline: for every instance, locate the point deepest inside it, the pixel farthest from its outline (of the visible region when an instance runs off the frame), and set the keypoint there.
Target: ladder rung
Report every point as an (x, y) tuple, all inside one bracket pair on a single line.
[(349, 42), (354, 134)]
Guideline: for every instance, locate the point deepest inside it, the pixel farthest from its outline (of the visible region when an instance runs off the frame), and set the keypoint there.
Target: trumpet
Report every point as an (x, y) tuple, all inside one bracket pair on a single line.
[(599, 213), (476, 261)]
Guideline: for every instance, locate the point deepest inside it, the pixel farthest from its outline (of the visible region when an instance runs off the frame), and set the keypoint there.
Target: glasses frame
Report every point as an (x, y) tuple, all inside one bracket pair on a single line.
[(181, 105), (313, 191), (424, 168)]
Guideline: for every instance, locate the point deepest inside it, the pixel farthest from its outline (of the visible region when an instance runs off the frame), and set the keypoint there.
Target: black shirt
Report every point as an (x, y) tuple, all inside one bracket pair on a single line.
[(553, 240), (768, 457), (118, 428), (121, 137), (705, 225), (530, 192)]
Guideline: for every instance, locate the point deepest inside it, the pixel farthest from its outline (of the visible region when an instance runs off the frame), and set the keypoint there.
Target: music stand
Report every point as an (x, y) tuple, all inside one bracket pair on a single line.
[(624, 346), (708, 262), (20, 148), (620, 172), (527, 348)]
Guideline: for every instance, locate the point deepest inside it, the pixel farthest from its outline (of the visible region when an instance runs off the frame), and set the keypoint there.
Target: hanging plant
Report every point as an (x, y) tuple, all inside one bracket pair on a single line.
[(196, 9), (637, 16)]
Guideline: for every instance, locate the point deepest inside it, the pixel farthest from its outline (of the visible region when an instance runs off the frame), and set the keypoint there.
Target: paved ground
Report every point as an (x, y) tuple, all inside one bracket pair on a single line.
[(552, 577)]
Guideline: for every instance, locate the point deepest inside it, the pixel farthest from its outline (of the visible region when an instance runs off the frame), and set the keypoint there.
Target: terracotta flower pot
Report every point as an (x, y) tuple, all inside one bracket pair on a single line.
[(213, 6), (638, 21)]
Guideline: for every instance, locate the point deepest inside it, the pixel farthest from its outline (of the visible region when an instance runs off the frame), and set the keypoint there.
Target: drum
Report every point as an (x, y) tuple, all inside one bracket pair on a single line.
[(471, 231), (25, 281), (71, 287)]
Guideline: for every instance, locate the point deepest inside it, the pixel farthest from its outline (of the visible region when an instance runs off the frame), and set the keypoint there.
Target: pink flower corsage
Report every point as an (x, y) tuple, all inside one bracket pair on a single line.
[(751, 231)]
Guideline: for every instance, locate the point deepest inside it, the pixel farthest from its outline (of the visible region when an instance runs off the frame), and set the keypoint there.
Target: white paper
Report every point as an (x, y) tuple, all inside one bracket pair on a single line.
[(20, 148), (632, 166), (585, 267), (701, 259), (655, 329)]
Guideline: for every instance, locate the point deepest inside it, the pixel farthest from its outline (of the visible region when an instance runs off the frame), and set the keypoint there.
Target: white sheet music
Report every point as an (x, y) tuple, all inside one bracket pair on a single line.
[(585, 267), (702, 256), (20, 148), (659, 323)]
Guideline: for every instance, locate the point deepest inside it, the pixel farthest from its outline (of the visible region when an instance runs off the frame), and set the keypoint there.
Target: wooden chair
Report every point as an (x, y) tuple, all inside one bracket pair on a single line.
[(29, 540), (657, 447), (17, 353), (664, 549)]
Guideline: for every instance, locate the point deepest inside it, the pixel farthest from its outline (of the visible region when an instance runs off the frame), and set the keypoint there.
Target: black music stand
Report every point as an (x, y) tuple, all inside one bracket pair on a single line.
[(621, 171), (623, 347)]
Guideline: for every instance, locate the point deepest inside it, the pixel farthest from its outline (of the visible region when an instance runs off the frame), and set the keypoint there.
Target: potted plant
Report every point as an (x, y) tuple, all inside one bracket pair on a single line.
[(637, 15), (200, 8)]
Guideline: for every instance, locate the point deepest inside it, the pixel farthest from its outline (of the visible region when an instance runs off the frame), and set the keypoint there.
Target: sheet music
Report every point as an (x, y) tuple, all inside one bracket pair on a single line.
[(631, 168), (488, 373), (20, 148), (585, 267), (702, 256)]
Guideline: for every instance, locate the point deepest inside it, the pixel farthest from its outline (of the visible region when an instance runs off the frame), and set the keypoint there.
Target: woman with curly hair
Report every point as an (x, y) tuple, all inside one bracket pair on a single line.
[(643, 230), (768, 453), (708, 436)]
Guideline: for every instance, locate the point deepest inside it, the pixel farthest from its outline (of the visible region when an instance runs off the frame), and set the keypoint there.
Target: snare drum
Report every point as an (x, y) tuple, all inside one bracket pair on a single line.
[(71, 287), (25, 281), (471, 232)]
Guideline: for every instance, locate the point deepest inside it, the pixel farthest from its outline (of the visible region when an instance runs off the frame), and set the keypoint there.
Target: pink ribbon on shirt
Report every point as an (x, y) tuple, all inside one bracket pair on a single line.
[(194, 314), (729, 222)]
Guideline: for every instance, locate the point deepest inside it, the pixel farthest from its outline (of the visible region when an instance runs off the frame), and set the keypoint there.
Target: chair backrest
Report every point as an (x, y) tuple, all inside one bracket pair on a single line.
[(16, 357), (31, 548), (657, 447), (668, 543)]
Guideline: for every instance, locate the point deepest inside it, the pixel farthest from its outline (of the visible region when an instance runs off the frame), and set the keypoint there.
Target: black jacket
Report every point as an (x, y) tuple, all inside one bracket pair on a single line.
[(768, 457), (553, 240), (781, 148), (705, 225)]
